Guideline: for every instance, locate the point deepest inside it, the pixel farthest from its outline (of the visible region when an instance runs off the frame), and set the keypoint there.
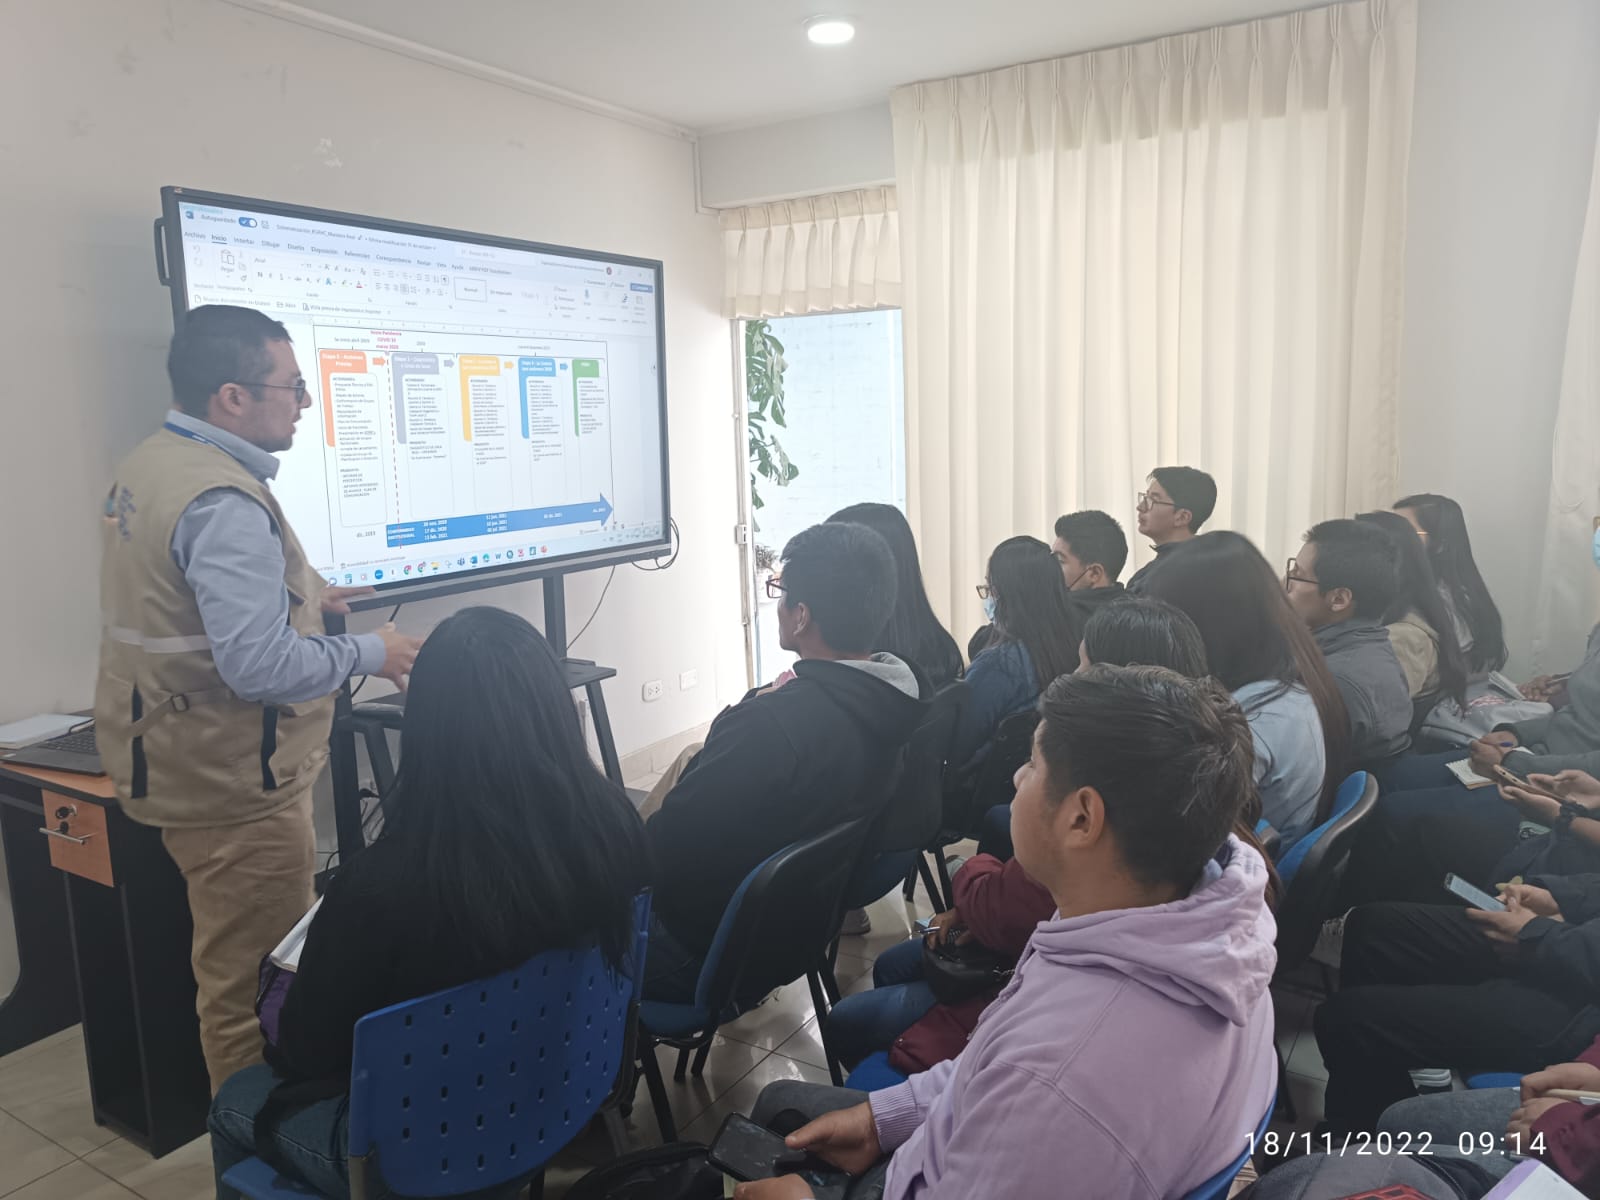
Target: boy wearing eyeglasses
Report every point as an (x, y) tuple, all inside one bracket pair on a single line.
[(1175, 503)]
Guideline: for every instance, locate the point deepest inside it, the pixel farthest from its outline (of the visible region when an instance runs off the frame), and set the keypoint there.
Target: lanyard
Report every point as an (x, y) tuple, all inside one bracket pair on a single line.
[(193, 436)]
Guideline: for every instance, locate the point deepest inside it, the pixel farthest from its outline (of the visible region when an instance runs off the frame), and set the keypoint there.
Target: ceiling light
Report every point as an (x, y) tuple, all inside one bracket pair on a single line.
[(829, 31)]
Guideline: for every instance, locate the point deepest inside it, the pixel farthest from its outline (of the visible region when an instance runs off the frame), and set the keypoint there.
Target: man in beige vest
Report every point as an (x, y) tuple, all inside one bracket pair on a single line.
[(215, 696)]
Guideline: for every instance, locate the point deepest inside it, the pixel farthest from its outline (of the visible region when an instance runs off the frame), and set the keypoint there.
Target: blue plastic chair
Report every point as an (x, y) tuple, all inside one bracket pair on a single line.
[(776, 928), (1218, 1186), (1312, 868), (479, 1086), (873, 1073)]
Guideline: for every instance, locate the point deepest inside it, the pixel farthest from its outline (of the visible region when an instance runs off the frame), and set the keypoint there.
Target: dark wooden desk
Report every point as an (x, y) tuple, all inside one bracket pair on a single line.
[(103, 936)]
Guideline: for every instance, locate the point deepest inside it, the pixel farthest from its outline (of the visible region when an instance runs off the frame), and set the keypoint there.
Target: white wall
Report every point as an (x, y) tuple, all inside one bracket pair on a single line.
[(108, 100), (1502, 146), (123, 96), (834, 152)]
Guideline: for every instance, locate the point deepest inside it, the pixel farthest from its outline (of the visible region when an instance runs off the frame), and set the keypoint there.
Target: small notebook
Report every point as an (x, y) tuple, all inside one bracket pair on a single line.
[(1462, 770), (287, 955), (41, 728), (1532, 1180)]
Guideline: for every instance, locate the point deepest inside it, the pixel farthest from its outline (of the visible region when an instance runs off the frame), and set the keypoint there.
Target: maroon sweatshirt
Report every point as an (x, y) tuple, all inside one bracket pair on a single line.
[(1572, 1137)]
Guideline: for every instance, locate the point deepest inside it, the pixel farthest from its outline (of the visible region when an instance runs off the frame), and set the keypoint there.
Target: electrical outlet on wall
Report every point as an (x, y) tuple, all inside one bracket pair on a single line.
[(652, 690), (687, 680)]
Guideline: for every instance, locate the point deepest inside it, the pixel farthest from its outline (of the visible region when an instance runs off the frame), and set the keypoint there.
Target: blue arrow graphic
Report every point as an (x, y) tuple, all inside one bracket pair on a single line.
[(444, 529)]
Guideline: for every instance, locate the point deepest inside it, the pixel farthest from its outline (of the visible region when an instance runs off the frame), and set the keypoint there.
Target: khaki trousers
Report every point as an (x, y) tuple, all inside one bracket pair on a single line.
[(248, 885), (668, 781)]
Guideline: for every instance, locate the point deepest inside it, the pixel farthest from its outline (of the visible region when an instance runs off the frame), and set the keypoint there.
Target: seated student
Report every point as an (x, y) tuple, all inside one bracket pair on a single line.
[(996, 904), (1138, 1025), (1425, 985), (501, 840), (1425, 812), (1443, 529), (784, 764), (913, 633), (1421, 627), (1564, 1133), (1176, 501), (1036, 634), (1092, 551), (1341, 583), (1260, 649)]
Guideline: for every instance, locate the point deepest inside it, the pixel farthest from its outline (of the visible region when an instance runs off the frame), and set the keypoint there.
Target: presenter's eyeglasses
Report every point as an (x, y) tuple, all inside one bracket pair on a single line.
[(298, 388)]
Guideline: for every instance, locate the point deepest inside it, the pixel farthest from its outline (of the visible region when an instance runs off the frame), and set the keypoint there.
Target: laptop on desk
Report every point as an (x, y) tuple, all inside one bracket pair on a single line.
[(75, 751)]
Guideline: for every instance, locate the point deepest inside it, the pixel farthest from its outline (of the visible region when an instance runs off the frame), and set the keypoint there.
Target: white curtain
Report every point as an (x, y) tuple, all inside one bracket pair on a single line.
[(819, 254), (1185, 251), (1569, 584)]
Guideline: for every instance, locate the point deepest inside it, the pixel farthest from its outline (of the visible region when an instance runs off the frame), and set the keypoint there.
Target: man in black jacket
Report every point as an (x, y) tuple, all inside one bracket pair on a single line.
[(788, 762), (1092, 550), (1424, 985)]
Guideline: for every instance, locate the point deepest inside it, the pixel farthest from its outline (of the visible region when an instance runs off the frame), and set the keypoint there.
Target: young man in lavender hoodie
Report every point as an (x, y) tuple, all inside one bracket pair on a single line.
[(1131, 1054)]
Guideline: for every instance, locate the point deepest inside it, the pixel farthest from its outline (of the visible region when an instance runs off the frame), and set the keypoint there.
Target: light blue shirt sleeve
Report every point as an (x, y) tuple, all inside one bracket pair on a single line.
[(227, 548)]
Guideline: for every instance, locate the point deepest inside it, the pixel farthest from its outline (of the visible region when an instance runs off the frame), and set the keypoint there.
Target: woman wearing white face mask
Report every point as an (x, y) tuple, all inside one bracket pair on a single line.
[(1035, 639)]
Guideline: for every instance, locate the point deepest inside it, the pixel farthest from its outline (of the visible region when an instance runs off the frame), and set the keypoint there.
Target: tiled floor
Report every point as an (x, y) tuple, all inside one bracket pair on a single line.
[(50, 1148)]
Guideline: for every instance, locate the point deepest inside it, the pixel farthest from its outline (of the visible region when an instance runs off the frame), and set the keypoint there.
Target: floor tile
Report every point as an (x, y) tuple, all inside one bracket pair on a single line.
[(742, 1096), (805, 1045), (48, 1091), (769, 1026), (75, 1181), (728, 1062), (185, 1174), (25, 1155), (73, 1034)]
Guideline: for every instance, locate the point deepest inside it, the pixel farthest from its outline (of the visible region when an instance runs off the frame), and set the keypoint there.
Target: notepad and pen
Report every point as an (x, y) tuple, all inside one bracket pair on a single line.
[(1462, 770)]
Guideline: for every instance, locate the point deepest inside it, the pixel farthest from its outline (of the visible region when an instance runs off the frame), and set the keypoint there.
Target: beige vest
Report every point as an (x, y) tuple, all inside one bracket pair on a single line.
[(182, 749)]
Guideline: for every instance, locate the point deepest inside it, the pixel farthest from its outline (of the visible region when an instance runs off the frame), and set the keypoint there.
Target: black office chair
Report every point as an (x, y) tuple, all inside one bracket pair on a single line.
[(915, 808), (968, 795), (1313, 867), (776, 929), (1311, 870)]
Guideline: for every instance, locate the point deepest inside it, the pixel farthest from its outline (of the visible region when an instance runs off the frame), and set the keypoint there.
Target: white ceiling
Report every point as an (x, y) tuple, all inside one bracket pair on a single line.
[(707, 65)]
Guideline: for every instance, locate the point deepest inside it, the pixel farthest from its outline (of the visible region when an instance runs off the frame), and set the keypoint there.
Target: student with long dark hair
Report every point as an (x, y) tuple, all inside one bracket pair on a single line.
[(913, 633), (1441, 525), (502, 839), (1035, 639), (1262, 652), (1422, 628)]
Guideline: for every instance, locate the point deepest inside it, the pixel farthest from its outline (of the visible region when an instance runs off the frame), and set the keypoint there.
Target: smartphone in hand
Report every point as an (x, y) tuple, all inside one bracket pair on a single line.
[(1474, 896)]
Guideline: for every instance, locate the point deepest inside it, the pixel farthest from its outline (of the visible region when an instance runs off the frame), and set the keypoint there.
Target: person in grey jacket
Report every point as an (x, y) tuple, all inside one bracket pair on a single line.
[(1341, 583)]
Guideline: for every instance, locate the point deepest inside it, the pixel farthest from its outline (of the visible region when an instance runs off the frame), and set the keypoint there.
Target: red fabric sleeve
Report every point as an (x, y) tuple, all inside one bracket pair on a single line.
[(999, 903)]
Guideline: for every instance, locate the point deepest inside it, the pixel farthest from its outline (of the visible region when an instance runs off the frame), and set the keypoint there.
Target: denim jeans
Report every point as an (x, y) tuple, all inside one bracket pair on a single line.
[(870, 1021), (312, 1142)]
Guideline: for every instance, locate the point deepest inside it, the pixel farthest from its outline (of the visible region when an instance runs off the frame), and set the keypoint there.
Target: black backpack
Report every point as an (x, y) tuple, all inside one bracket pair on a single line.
[(677, 1171)]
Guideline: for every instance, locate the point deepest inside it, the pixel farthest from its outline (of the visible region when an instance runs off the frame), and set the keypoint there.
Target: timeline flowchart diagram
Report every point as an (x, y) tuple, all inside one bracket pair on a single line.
[(433, 445)]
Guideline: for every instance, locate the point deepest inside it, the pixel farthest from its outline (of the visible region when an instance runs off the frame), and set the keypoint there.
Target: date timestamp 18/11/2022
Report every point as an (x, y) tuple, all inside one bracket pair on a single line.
[(1417, 1145)]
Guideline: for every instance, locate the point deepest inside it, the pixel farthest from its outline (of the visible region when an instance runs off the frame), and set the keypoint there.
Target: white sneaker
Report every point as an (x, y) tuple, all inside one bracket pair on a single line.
[(856, 923), (1330, 942), (1432, 1079)]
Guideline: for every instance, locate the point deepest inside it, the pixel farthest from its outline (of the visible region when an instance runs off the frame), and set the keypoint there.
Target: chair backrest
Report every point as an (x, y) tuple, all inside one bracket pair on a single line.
[(781, 919), (966, 800), (481, 1084), (1312, 867), (1220, 1184), (916, 806)]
